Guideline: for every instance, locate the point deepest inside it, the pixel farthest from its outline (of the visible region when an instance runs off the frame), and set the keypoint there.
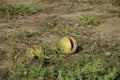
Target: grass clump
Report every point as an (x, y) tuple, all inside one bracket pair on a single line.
[(89, 69), (89, 20), (11, 10), (31, 73), (99, 69), (115, 2)]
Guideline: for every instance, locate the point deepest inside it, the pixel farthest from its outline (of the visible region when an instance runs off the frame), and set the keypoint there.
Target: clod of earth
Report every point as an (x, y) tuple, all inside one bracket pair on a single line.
[(67, 45)]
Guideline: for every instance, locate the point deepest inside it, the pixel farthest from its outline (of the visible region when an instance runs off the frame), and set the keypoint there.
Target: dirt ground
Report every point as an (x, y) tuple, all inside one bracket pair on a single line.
[(109, 27), (64, 12)]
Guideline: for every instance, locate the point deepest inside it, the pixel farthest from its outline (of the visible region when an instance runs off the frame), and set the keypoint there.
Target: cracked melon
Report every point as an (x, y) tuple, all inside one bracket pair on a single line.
[(67, 45)]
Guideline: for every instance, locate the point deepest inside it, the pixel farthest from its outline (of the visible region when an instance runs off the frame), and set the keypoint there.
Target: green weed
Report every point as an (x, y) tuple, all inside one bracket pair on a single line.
[(99, 69), (11, 10), (115, 2), (87, 68), (33, 72), (89, 20)]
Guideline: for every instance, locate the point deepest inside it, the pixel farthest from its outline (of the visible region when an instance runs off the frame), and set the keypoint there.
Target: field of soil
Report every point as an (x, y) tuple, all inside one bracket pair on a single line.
[(53, 20)]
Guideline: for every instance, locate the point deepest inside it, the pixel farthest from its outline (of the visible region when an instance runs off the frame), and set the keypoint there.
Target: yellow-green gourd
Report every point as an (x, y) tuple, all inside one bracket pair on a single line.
[(67, 45)]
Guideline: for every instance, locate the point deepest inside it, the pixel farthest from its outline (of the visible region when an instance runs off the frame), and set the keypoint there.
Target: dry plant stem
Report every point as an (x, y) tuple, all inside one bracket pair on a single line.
[(11, 54)]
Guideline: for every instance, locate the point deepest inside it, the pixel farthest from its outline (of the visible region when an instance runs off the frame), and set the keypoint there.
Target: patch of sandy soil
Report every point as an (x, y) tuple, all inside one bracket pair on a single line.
[(91, 13), (25, 23), (110, 28)]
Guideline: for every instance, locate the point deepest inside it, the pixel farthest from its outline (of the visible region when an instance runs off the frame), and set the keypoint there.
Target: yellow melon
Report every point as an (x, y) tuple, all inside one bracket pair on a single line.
[(67, 45)]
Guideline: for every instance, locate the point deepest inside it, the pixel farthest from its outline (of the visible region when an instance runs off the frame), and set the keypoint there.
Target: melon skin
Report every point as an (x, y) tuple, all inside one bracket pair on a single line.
[(39, 52), (67, 45), (30, 53), (35, 51)]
